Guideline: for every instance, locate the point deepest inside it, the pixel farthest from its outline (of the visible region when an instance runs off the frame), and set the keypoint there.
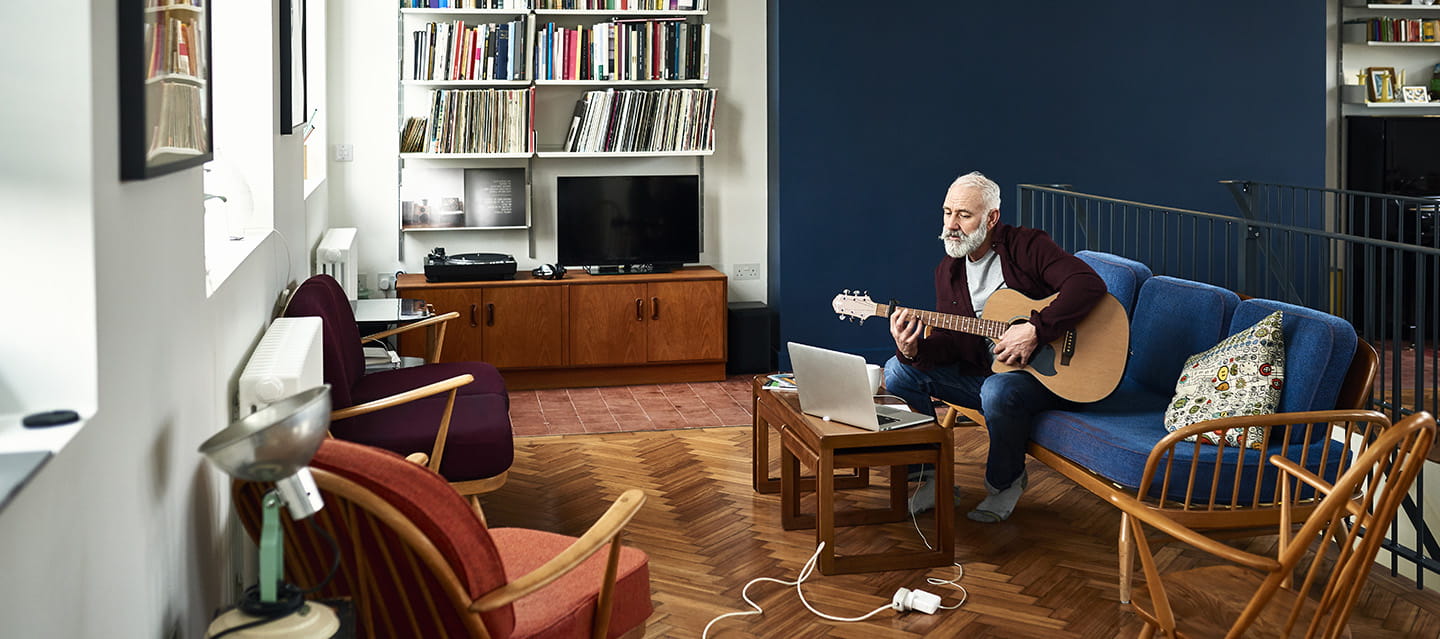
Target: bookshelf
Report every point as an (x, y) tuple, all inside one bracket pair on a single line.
[(1402, 37), (627, 80)]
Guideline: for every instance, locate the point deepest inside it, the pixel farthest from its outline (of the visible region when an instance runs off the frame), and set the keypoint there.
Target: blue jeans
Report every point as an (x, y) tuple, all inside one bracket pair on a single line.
[(1009, 402)]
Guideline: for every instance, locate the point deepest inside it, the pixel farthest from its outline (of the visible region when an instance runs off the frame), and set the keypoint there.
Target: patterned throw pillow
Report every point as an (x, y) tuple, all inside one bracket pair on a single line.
[(1242, 375)]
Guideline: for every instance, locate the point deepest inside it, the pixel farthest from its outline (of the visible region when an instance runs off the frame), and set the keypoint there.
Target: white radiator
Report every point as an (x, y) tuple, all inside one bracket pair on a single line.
[(287, 360), (336, 257)]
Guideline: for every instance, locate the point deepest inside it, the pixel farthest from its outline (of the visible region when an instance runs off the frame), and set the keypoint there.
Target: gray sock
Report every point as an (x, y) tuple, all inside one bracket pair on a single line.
[(998, 504)]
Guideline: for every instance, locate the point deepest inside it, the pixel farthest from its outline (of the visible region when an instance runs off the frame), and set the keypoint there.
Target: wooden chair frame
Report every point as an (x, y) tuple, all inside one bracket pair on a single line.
[(434, 343), (434, 333), (1232, 516), (1395, 455), (422, 553)]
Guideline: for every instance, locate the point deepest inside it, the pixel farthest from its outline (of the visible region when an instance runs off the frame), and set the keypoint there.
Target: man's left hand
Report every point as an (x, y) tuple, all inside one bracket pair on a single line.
[(1016, 345)]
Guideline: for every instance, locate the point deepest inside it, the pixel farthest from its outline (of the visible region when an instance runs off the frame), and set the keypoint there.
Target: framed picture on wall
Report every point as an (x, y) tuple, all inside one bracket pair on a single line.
[(1380, 84), (163, 69), (292, 65)]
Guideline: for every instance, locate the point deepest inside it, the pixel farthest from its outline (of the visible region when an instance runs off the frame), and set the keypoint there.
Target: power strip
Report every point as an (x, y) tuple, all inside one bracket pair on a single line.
[(905, 599)]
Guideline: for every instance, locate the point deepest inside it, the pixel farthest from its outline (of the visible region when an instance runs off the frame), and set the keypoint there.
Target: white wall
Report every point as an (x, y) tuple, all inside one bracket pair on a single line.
[(124, 532), (364, 105)]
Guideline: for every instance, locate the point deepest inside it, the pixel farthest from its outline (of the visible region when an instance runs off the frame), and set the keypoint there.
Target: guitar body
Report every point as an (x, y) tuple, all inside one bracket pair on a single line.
[(1084, 364)]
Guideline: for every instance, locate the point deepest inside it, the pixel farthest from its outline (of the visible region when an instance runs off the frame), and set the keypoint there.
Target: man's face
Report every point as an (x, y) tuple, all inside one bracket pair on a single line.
[(966, 223)]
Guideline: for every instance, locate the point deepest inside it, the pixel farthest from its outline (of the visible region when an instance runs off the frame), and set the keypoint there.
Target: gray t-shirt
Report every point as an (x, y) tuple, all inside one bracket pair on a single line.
[(984, 278)]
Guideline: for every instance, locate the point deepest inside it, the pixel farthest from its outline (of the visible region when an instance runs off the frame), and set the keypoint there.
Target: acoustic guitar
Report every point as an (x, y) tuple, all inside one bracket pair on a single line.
[(1082, 365)]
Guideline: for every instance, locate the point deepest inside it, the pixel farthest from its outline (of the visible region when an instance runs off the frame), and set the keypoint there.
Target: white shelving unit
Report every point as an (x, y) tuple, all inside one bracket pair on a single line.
[(1415, 60), (553, 103)]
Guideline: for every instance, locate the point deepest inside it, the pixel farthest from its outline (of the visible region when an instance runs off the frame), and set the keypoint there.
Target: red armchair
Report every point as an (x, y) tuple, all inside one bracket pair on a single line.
[(417, 562)]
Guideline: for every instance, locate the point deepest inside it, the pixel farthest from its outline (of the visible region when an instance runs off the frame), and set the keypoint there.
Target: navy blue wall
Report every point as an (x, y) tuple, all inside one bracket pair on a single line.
[(873, 113)]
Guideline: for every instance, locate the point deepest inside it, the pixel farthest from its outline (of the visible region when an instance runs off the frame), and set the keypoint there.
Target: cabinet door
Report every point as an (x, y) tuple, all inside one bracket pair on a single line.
[(462, 334), (686, 321), (607, 324), (523, 326)]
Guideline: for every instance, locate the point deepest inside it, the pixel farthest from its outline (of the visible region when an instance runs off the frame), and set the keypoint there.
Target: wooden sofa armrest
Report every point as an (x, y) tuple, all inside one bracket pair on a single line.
[(402, 398), (432, 347), (605, 530), (1159, 467)]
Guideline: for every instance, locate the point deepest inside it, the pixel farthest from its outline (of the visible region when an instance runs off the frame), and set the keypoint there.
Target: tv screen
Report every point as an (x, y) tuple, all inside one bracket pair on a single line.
[(627, 220)]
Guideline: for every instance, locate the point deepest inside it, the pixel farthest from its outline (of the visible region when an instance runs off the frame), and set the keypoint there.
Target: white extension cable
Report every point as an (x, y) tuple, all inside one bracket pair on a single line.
[(904, 600)]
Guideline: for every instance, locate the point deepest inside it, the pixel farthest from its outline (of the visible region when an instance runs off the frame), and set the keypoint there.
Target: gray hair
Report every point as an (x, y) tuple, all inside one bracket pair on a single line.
[(989, 190)]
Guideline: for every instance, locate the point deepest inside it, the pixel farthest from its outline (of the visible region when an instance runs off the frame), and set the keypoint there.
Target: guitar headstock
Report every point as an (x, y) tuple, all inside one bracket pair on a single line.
[(857, 305)]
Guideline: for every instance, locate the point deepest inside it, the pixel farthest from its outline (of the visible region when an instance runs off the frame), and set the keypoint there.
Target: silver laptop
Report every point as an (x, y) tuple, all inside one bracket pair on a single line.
[(834, 386)]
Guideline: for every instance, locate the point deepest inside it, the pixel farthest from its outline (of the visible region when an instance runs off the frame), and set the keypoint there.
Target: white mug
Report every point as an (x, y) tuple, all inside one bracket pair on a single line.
[(877, 375)]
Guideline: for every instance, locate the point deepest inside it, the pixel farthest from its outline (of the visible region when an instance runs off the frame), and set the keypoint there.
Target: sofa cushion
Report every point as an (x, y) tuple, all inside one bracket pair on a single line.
[(1242, 375), (1318, 345), (1114, 437), (1123, 276), (1174, 319)]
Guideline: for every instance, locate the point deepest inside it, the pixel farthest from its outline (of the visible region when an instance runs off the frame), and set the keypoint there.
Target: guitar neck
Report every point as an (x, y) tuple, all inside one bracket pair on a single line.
[(972, 325)]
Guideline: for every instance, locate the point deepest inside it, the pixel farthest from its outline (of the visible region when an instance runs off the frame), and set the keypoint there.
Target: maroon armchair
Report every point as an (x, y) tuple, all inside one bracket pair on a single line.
[(458, 412), (417, 562)]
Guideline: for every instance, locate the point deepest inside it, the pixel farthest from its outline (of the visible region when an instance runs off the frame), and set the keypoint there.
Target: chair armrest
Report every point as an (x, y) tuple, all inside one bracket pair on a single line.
[(602, 532), (1162, 522), (429, 321), (402, 398), (1159, 463)]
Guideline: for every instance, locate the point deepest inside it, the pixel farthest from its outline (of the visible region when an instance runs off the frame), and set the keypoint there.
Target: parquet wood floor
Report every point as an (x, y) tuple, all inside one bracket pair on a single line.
[(1048, 572)]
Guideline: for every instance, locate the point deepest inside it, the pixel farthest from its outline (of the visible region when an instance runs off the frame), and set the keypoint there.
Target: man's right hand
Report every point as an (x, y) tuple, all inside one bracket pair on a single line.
[(906, 328)]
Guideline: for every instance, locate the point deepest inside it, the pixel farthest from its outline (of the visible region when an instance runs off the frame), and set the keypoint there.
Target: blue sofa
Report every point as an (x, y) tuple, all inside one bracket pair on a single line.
[(1120, 445)]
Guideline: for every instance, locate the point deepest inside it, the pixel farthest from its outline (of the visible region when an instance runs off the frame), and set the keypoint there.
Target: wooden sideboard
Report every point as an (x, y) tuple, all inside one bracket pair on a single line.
[(584, 330)]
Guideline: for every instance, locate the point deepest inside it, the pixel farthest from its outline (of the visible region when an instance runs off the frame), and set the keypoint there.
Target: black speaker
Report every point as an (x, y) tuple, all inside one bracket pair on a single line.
[(750, 338)]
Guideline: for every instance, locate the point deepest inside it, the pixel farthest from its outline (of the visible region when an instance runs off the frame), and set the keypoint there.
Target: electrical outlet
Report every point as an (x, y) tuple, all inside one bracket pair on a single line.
[(344, 153), (362, 282), (386, 280), (747, 271)]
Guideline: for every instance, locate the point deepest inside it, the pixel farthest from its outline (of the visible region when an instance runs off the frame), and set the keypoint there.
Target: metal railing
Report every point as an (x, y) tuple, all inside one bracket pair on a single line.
[(1370, 258)]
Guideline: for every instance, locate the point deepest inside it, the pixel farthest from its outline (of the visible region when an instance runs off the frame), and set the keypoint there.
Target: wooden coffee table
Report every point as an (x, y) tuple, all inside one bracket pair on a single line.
[(828, 446)]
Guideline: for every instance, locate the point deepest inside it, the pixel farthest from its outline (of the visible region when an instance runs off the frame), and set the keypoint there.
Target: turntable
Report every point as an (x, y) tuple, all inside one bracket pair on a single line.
[(468, 267)]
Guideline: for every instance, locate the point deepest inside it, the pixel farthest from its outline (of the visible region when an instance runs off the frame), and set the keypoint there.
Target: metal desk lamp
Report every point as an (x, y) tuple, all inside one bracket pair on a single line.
[(275, 444)]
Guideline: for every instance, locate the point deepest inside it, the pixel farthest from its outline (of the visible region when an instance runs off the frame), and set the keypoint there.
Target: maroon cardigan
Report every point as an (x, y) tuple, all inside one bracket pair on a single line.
[(1032, 264)]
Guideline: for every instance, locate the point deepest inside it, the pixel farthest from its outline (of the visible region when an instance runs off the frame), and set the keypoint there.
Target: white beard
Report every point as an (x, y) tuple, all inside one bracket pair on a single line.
[(959, 245)]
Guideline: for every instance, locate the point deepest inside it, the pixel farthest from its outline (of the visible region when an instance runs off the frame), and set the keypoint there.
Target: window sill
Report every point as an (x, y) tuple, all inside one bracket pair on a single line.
[(223, 256), (15, 438)]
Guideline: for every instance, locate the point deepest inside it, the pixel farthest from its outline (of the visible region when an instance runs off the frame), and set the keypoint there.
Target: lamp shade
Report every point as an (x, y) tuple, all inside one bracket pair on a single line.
[(274, 442)]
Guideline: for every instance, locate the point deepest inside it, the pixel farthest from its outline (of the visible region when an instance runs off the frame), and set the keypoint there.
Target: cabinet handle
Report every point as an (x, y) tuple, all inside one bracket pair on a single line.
[(639, 310), (474, 320), (489, 314), (655, 308)]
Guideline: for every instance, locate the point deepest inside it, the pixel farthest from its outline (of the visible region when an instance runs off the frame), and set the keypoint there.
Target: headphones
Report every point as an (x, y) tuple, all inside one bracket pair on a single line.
[(549, 272)]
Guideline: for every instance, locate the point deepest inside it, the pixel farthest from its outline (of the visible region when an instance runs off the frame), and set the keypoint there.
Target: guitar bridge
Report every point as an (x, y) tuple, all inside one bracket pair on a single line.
[(1067, 350)]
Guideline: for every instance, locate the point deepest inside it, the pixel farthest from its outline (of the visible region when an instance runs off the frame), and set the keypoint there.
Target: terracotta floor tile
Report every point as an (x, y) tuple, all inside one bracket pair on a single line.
[(631, 408)]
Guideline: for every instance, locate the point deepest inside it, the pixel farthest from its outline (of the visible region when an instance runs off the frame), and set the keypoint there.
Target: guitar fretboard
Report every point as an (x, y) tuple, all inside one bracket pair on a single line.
[(972, 325)]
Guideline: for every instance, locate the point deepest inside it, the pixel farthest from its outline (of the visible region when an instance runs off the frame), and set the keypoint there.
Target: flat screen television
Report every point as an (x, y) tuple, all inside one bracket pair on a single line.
[(628, 223)]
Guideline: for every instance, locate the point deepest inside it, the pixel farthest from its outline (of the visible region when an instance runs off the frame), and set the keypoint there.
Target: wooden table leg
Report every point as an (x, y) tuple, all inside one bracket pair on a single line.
[(790, 518), (825, 509)]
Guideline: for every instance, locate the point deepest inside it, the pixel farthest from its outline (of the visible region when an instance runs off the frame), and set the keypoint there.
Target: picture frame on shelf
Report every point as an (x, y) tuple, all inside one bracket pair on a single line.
[(1415, 94), (163, 71), (1380, 84), (292, 65), (464, 198)]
